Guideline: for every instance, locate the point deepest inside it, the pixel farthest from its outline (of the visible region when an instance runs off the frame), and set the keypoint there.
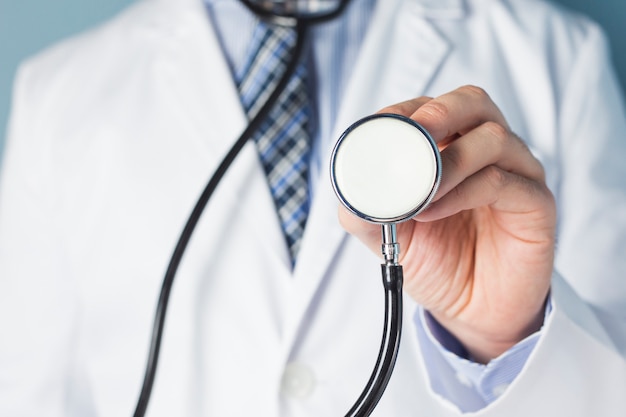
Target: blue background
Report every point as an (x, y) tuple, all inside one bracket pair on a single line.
[(27, 26)]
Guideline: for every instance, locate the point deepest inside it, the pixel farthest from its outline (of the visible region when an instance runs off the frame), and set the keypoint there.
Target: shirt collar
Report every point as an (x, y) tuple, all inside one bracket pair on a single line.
[(427, 8)]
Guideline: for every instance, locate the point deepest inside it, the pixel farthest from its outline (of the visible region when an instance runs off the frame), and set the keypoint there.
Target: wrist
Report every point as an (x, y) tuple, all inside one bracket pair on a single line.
[(486, 342)]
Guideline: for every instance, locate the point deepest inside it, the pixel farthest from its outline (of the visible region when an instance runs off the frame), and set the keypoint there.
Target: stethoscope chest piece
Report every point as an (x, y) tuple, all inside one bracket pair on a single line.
[(385, 168)]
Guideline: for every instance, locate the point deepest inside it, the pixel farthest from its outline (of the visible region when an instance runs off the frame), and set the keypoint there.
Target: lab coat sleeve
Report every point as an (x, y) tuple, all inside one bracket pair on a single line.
[(37, 308), (469, 385), (590, 301)]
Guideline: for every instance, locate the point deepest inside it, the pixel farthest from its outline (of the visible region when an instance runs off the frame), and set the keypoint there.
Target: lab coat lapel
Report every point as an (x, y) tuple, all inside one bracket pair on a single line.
[(197, 74), (398, 58), (207, 100)]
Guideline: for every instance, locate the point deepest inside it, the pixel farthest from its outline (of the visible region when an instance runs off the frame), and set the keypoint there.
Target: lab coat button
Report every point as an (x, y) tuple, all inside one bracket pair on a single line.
[(298, 381)]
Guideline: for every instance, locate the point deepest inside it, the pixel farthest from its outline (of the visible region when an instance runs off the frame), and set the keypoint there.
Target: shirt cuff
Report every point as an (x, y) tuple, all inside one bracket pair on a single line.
[(467, 384)]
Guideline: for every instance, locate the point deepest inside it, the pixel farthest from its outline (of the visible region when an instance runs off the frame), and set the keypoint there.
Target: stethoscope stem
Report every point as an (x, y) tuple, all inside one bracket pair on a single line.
[(390, 247)]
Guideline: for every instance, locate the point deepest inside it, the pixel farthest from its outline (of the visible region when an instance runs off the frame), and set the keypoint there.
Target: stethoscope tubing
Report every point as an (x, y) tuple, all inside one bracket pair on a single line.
[(194, 217), (389, 346), (392, 274)]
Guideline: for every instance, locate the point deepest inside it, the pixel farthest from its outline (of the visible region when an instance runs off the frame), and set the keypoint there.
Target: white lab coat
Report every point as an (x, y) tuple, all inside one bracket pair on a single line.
[(114, 134)]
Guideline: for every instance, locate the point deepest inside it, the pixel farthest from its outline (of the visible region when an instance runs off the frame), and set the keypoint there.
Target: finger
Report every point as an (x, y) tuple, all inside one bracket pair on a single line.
[(366, 232), (406, 108), (370, 233), (494, 187), (457, 112), (488, 144), (355, 225)]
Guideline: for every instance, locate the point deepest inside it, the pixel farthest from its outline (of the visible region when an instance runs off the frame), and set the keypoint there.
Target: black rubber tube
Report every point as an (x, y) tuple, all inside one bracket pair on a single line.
[(192, 221), (392, 330), (392, 274)]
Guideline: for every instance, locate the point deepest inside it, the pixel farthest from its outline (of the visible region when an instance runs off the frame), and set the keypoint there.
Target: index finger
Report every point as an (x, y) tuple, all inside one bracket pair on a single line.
[(451, 114), (458, 112), (406, 108)]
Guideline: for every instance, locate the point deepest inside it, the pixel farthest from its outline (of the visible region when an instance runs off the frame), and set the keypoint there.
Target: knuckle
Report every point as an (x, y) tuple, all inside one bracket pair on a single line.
[(475, 91), (497, 133), (423, 99), (537, 170), (435, 110), (405, 107), (495, 177)]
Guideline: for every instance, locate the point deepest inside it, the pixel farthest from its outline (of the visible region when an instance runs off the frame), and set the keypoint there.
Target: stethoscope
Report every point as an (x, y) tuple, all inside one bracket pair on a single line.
[(385, 169)]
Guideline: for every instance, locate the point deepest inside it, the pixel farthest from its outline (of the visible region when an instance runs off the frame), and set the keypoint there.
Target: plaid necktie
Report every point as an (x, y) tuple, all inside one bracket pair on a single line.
[(283, 140)]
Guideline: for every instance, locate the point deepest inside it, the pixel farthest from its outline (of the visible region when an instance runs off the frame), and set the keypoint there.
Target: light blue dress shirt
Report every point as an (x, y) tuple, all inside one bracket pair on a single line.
[(335, 46)]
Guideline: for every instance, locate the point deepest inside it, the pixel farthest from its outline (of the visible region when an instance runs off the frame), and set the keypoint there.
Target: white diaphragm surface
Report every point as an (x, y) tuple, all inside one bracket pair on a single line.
[(385, 168)]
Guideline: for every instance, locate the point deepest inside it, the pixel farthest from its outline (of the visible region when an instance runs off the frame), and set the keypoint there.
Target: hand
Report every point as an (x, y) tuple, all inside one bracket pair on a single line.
[(480, 257)]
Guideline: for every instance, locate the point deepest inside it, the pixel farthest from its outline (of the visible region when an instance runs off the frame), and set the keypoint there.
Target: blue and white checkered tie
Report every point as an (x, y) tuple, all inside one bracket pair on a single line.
[(283, 140)]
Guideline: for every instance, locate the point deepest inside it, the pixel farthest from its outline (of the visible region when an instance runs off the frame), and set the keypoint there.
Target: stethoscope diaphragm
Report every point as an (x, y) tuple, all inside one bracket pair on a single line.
[(385, 168)]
